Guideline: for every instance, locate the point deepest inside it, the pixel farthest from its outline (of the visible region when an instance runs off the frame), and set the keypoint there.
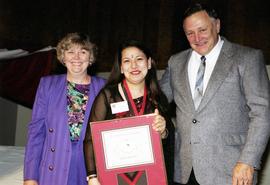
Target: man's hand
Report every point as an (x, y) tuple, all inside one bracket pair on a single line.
[(242, 174)]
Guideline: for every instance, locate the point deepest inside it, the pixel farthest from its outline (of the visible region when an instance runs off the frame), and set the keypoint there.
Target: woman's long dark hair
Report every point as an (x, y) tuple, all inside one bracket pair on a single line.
[(154, 91)]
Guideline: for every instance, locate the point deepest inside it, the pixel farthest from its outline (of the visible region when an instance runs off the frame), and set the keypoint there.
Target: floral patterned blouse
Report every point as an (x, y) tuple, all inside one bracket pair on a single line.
[(77, 97)]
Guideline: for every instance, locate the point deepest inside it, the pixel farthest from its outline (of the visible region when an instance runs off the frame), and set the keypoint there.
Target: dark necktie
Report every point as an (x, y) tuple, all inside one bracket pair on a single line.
[(198, 93)]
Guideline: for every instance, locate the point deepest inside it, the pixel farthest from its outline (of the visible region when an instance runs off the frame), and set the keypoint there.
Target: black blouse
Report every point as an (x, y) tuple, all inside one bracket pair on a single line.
[(101, 110)]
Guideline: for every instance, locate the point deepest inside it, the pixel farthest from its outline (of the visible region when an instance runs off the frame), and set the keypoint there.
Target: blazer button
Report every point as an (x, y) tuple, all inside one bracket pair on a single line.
[(50, 130), (194, 121), (53, 149), (51, 168)]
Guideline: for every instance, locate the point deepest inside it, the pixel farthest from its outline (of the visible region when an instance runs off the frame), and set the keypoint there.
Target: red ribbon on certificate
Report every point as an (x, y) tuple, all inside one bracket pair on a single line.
[(134, 180)]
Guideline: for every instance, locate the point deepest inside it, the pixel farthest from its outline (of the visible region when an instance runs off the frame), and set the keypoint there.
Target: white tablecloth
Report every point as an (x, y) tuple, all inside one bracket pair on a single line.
[(11, 165)]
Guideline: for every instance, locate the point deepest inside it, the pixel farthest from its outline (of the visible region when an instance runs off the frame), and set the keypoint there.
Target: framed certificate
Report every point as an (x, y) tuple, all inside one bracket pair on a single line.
[(128, 151)]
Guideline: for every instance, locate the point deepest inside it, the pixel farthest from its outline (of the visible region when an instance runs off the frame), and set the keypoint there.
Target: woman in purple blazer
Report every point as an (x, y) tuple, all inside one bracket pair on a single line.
[(54, 151)]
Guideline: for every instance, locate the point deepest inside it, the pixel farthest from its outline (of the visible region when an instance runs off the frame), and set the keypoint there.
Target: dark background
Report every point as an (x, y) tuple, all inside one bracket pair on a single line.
[(34, 24)]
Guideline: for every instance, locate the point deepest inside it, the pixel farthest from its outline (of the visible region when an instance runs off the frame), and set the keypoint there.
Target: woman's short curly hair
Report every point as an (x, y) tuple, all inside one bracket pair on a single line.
[(72, 39)]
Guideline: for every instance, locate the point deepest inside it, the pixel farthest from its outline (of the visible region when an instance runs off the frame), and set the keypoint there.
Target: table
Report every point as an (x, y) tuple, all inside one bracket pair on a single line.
[(11, 165)]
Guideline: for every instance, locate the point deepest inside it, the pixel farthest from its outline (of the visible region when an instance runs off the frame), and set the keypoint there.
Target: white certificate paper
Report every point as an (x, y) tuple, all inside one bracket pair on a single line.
[(127, 147)]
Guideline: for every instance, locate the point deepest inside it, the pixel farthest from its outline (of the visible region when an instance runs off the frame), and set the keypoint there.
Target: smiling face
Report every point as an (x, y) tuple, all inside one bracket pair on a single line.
[(201, 31), (134, 65), (76, 59)]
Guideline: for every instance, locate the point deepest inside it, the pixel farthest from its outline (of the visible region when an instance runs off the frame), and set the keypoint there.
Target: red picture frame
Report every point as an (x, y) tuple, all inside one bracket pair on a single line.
[(110, 166)]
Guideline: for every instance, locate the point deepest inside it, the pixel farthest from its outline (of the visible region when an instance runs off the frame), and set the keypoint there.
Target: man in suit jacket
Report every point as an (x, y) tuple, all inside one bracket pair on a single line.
[(221, 140)]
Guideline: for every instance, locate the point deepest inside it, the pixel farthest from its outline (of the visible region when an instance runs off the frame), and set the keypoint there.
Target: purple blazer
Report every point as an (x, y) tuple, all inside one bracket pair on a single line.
[(48, 149)]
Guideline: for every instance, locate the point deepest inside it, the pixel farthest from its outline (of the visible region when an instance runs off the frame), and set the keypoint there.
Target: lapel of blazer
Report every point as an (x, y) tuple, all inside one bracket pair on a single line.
[(219, 73), (60, 95), (183, 82), (60, 103), (93, 91)]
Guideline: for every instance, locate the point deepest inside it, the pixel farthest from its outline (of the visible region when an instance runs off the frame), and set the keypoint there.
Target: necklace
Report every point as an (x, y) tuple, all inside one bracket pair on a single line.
[(85, 80), (138, 100)]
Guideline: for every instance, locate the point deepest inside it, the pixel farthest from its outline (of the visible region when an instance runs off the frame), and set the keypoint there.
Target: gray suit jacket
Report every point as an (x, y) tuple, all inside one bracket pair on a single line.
[(231, 124)]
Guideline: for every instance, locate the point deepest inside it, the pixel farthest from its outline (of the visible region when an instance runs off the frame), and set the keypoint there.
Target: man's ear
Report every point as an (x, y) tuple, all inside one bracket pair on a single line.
[(217, 22)]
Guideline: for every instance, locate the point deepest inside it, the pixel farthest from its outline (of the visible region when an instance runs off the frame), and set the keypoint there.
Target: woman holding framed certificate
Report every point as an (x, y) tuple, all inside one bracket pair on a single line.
[(132, 90)]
